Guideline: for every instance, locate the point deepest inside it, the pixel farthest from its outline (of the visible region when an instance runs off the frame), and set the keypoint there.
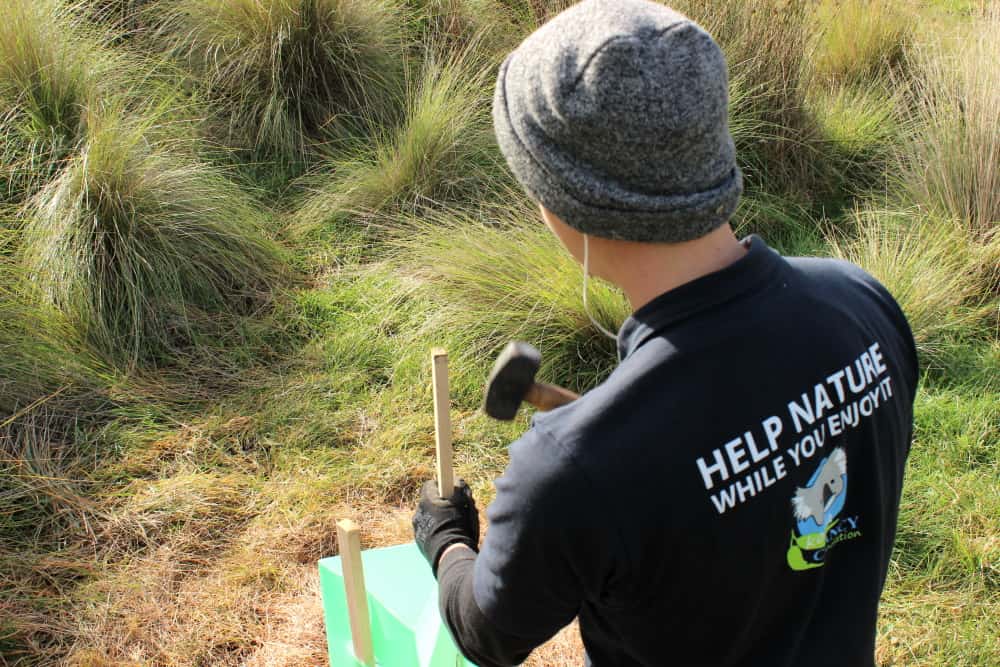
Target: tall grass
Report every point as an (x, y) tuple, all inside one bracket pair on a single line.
[(283, 72), (499, 275), (454, 24), (861, 125), (532, 13), (124, 18), (37, 362), (858, 40), (58, 72), (951, 165), (943, 281), (137, 253), (145, 249), (443, 152), (48, 389), (766, 44), (50, 74)]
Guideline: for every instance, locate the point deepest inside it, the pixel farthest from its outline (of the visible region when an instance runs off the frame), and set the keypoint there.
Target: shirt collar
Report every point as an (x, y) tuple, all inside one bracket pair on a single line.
[(697, 295)]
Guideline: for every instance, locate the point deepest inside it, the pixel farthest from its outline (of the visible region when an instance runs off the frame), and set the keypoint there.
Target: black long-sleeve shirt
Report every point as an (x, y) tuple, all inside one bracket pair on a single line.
[(727, 497)]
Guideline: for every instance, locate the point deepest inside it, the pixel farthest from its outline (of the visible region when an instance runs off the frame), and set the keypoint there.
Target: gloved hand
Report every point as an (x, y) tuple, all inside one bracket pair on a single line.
[(440, 522)]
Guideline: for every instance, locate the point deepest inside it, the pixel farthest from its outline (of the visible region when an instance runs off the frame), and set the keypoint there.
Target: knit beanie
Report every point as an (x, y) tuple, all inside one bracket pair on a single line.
[(613, 115)]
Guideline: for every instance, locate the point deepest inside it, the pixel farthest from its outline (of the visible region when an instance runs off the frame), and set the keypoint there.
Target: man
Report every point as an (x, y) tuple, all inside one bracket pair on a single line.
[(729, 495)]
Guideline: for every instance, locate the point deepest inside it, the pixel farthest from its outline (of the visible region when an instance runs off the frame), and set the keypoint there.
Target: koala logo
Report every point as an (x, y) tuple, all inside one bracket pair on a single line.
[(816, 507), (823, 491)]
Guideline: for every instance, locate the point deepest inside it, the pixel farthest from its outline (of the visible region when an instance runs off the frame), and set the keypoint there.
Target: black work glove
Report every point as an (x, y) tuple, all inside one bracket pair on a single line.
[(440, 522)]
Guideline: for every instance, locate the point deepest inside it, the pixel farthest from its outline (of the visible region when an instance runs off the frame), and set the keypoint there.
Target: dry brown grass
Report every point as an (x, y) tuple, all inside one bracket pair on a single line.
[(903, 638), (201, 568), (951, 165), (197, 560), (294, 635)]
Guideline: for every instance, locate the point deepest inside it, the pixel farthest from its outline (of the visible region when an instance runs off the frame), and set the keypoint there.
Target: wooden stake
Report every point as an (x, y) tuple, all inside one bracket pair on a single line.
[(442, 423), (349, 539)]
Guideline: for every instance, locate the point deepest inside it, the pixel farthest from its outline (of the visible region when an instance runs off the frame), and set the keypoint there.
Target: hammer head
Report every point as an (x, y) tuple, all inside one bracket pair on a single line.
[(512, 376)]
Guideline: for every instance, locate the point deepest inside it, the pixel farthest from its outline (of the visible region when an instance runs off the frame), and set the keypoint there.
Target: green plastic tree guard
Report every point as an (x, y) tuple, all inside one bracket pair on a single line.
[(403, 605)]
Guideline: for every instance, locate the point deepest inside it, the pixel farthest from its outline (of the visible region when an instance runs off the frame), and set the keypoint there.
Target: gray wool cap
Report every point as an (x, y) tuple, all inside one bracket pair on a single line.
[(614, 116)]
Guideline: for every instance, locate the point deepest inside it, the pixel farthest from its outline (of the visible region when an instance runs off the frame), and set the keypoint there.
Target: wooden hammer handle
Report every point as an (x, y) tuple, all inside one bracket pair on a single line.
[(548, 396)]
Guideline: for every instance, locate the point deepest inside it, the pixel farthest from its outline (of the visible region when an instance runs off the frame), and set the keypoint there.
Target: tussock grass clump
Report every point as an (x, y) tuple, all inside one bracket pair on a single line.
[(530, 14), (9, 224), (41, 367), (501, 276), (455, 24), (862, 125), (858, 119), (47, 390), (942, 280), (766, 45), (144, 249), (49, 77), (57, 74), (951, 165), (125, 18), (443, 152), (858, 40), (284, 71), (35, 363)]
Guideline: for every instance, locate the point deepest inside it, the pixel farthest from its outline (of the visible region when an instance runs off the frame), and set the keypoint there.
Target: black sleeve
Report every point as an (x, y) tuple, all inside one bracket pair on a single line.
[(479, 640), (547, 549)]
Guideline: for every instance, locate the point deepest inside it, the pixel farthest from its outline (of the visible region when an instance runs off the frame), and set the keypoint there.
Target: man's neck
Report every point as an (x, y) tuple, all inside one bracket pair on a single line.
[(644, 271)]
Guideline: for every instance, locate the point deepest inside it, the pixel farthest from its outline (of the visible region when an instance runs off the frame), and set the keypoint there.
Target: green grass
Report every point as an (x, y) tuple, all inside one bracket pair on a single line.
[(945, 571), (49, 76), (861, 124), (443, 152), (942, 279), (36, 364), (144, 249), (498, 275), (858, 40), (48, 390), (58, 74), (532, 13), (186, 406), (455, 24), (285, 73), (122, 19)]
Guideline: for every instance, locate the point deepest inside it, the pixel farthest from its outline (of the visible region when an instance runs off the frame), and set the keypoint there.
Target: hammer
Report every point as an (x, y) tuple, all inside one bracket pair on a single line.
[(513, 380)]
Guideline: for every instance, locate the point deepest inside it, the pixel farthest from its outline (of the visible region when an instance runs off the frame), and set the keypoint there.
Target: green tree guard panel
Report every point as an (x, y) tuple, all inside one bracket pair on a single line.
[(407, 630)]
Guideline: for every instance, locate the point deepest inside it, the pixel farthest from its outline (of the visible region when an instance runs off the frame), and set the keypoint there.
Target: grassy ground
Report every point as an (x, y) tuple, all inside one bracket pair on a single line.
[(230, 236)]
